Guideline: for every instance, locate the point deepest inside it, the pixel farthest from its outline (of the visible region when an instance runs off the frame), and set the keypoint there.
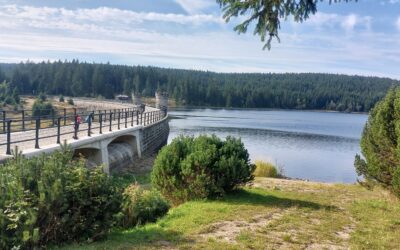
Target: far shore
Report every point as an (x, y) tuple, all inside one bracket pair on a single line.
[(266, 109)]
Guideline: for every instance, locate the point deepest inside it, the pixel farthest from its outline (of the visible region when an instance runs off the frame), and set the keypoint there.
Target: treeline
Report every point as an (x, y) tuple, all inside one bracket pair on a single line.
[(200, 88)]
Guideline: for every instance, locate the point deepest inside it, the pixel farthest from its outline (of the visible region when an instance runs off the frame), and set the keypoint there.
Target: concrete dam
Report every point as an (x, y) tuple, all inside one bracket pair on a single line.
[(116, 135)]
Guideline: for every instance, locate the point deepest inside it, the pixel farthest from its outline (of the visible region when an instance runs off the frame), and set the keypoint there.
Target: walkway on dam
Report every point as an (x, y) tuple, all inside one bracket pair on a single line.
[(35, 140)]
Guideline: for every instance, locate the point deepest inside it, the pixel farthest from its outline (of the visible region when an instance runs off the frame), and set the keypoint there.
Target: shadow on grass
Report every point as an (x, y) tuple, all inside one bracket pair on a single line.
[(245, 197), (136, 238)]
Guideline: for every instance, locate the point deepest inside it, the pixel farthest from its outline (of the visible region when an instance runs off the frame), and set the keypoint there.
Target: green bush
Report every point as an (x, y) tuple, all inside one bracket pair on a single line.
[(380, 144), (265, 169), (140, 206), (203, 167), (54, 199), (61, 98), (8, 96), (70, 101), (42, 97), (42, 108)]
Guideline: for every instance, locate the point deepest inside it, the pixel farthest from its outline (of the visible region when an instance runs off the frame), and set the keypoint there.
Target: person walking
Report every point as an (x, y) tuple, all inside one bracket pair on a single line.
[(77, 122)]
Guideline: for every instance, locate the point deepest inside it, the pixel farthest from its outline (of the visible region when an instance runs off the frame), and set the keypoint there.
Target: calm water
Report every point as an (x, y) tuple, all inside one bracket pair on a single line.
[(317, 146)]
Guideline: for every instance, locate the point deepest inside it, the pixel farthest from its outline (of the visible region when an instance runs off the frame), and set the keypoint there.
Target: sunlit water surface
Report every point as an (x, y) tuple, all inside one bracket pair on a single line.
[(318, 146)]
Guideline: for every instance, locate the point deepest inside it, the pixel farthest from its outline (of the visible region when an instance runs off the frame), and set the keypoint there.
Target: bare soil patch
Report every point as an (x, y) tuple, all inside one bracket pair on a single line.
[(229, 230)]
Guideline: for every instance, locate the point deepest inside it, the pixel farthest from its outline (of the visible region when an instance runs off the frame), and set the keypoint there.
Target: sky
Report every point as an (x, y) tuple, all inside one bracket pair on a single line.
[(356, 38)]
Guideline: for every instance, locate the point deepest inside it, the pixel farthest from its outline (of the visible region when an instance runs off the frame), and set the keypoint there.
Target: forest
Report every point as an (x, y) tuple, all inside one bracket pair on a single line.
[(315, 91)]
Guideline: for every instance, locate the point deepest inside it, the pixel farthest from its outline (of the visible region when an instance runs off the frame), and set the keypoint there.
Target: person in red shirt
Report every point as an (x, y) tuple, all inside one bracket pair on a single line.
[(76, 126), (78, 121)]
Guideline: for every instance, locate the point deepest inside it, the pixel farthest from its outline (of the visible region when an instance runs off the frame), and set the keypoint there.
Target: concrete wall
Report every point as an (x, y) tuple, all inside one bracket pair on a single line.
[(154, 137)]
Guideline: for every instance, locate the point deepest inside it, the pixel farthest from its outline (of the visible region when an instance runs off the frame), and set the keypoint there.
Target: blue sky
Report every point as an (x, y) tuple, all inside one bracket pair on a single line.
[(360, 38)]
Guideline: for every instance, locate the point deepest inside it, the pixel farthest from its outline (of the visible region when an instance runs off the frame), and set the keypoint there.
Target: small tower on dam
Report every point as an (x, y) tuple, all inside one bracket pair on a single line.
[(136, 99), (162, 100)]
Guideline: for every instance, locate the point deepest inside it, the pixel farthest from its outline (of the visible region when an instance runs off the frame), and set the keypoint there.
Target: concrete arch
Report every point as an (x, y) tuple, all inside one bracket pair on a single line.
[(122, 152), (92, 155), (130, 140)]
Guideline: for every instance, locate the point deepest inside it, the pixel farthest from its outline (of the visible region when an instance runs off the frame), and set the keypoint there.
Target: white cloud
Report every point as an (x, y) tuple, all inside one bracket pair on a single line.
[(398, 23), (384, 2), (195, 6), (123, 36), (102, 14), (347, 22)]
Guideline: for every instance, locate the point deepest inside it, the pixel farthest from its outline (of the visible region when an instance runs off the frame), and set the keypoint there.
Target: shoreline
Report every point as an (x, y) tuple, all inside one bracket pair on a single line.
[(174, 108)]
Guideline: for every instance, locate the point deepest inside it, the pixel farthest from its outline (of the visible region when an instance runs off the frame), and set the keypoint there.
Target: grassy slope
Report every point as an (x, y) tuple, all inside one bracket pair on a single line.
[(273, 214)]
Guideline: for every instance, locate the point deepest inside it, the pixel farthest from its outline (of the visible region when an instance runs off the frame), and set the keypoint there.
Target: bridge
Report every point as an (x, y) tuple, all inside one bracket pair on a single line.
[(108, 131)]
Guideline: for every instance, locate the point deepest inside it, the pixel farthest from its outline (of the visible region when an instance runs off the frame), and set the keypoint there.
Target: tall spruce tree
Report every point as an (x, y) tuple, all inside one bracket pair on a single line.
[(267, 14), (380, 144)]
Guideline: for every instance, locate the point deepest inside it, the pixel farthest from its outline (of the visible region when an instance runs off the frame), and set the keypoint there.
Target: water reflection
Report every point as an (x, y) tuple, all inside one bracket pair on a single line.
[(310, 145)]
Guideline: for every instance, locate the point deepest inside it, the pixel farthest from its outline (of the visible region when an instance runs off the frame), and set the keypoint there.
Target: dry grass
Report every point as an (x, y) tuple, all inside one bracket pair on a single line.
[(265, 169)]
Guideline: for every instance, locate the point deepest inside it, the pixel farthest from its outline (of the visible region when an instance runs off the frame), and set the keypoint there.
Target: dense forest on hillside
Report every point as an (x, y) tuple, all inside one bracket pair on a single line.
[(200, 88)]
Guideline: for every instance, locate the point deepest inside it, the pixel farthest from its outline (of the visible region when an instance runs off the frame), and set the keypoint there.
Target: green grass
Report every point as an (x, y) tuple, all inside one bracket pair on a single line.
[(272, 214), (127, 179)]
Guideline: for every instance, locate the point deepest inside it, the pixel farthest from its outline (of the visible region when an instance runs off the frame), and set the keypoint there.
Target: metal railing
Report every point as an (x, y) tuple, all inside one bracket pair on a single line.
[(66, 122)]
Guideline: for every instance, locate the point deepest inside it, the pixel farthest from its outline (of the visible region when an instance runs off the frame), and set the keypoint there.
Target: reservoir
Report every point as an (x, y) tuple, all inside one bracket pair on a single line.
[(318, 146)]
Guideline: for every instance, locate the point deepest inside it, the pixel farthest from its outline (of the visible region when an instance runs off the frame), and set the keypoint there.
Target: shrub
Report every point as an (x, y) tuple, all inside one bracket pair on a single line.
[(140, 206), (42, 97), (54, 199), (70, 101), (203, 167), (265, 169), (8, 96), (61, 98), (42, 108), (379, 144)]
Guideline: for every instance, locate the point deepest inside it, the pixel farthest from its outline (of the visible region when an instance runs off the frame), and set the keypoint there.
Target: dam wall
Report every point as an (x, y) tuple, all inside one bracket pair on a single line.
[(124, 155)]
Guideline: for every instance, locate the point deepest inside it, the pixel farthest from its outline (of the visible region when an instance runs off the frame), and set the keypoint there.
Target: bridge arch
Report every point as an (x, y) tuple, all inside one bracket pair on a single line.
[(122, 152), (129, 139), (92, 155)]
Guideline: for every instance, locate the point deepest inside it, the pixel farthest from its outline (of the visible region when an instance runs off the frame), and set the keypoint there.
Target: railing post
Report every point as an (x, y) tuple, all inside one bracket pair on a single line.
[(101, 123), (119, 119), (8, 137), (58, 129), (75, 112), (137, 117), (65, 116), (132, 115), (89, 125), (23, 120), (75, 127), (141, 118), (4, 121), (52, 117), (37, 132), (111, 121), (126, 118)]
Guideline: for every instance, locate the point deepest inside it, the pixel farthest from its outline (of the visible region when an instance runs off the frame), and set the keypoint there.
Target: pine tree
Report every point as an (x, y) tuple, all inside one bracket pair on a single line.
[(380, 144)]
